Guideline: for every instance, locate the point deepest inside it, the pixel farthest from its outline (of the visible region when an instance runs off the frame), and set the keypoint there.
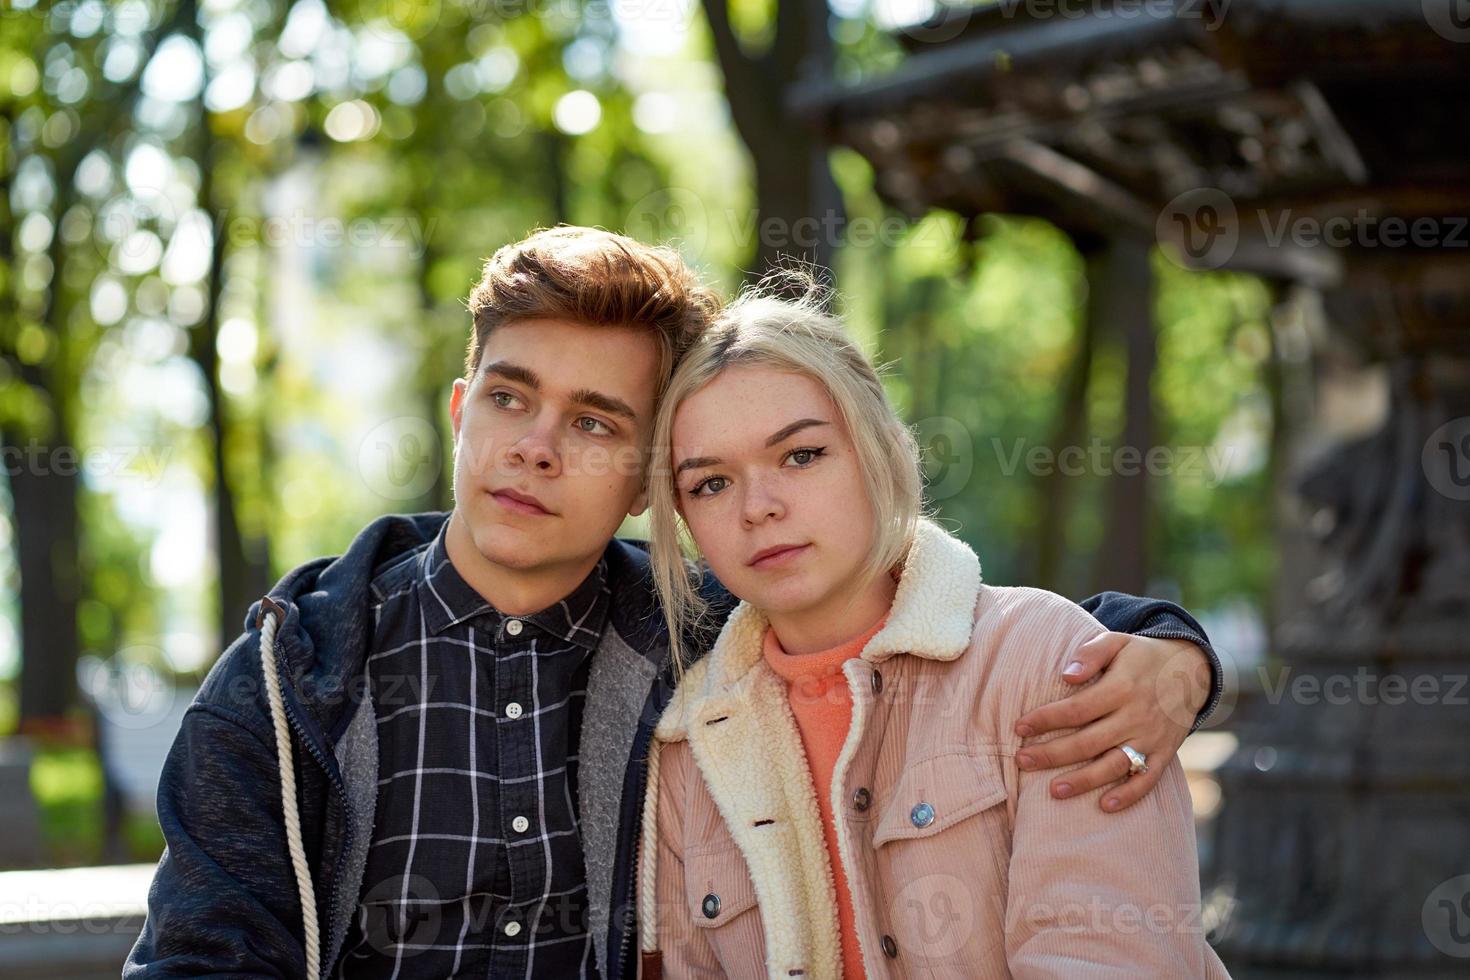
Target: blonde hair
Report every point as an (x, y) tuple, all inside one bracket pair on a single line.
[(765, 327)]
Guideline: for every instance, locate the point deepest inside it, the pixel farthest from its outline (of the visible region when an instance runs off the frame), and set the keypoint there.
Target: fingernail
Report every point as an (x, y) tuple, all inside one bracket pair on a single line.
[(1025, 731), (1064, 789), (1072, 669), (1111, 803), (1025, 761)]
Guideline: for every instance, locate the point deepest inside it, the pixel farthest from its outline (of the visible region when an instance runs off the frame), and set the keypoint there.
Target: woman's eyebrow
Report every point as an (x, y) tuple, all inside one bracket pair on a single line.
[(791, 430), (696, 462), (786, 432)]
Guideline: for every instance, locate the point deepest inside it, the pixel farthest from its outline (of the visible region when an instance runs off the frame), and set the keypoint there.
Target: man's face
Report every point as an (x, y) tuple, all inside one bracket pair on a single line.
[(550, 440)]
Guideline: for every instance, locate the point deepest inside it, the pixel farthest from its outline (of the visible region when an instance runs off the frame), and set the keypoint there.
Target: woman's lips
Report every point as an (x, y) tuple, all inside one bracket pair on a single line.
[(783, 557)]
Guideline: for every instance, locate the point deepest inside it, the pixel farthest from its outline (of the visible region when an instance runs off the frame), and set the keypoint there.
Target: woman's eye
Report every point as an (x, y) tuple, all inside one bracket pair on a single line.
[(805, 457), (593, 426), (705, 488)]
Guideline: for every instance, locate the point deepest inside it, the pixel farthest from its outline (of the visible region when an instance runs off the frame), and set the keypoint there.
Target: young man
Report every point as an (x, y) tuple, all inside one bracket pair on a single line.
[(425, 757)]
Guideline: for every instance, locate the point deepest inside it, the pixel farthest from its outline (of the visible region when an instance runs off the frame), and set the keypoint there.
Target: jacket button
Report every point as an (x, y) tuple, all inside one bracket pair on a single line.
[(877, 682), (890, 948), (862, 799), (711, 906), (922, 815)]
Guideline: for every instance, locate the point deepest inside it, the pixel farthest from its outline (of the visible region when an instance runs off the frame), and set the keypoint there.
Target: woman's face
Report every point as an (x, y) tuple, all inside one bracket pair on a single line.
[(768, 481)]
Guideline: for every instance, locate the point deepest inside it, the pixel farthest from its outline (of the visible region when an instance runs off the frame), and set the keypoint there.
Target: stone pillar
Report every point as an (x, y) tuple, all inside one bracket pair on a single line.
[(1344, 842)]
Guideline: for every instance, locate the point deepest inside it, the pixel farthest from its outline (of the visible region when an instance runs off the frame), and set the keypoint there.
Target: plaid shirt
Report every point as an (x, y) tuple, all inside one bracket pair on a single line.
[(475, 867)]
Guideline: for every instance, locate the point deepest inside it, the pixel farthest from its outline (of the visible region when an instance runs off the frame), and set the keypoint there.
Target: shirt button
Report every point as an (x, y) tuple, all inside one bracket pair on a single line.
[(513, 627), (520, 824), (512, 929), (710, 906), (862, 799), (890, 948), (877, 682), (513, 710), (922, 815)]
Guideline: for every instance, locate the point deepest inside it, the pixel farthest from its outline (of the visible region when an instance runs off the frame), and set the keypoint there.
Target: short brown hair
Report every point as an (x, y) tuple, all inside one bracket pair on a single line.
[(593, 277)]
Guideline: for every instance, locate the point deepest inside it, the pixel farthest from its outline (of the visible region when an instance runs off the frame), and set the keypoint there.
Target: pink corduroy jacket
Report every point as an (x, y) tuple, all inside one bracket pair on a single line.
[(961, 866)]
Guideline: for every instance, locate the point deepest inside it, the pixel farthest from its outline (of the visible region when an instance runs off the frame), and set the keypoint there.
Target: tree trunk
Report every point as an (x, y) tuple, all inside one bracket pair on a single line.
[(44, 469), (1068, 429), (798, 209), (1126, 310)]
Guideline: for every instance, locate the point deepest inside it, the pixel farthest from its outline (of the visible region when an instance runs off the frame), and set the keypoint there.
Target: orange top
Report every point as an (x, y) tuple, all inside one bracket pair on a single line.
[(822, 703)]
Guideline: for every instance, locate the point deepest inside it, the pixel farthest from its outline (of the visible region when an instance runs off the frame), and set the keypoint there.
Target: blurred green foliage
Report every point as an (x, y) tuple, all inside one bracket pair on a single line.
[(141, 135)]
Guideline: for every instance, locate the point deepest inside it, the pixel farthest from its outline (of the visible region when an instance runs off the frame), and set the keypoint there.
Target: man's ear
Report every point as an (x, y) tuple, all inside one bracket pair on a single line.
[(640, 502), (456, 404)]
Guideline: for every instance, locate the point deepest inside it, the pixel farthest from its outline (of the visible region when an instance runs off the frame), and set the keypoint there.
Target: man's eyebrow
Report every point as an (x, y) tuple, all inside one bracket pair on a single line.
[(791, 430), (698, 462), (604, 403), (513, 372), (582, 396)]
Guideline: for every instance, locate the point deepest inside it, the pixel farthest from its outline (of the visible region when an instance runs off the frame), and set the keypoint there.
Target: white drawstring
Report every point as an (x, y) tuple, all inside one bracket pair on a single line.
[(268, 623), (648, 877)]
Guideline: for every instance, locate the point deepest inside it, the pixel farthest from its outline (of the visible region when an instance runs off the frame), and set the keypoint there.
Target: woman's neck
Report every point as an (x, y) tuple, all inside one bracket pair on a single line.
[(834, 621)]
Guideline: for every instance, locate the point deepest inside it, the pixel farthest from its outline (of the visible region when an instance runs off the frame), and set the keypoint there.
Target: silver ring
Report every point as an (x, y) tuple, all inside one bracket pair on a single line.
[(1137, 761)]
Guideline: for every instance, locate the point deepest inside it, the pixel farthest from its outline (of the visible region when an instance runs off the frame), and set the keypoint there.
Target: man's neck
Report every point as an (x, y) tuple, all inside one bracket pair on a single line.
[(513, 591)]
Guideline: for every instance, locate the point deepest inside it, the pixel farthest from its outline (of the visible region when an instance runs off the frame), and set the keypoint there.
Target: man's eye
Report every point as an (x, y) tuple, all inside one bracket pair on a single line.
[(593, 426), (502, 399)]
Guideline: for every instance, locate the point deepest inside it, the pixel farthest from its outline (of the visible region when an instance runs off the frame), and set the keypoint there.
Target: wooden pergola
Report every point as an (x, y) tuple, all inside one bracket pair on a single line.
[(1325, 146)]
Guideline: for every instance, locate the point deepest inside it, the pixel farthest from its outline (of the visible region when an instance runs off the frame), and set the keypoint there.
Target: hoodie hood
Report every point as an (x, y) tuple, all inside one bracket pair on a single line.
[(326, 618)]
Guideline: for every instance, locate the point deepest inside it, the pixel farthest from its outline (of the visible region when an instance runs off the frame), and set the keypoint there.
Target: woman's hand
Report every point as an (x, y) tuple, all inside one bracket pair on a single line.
[(1147, 697)]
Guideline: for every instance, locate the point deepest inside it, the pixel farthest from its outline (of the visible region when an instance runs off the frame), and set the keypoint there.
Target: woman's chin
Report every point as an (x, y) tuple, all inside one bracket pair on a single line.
[(790, 598)]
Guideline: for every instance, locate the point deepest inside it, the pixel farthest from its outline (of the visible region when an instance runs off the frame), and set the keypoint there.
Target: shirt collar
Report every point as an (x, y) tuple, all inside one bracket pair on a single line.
[(447, 599)]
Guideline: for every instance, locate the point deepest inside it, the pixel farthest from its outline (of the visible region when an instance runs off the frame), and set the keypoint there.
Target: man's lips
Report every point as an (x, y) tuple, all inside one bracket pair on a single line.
[(520, 503), (779, 555)]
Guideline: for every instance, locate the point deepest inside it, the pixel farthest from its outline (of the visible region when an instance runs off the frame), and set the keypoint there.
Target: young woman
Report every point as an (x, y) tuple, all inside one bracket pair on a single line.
[(833, 790)]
